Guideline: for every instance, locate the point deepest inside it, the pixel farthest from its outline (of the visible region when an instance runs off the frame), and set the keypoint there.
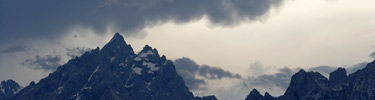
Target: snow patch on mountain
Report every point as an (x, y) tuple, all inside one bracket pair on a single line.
[(121, 64), (129, 86), (2, 89), (149, 52), (93, 73), (151, 66), (60, 89), (137, 58), (113, 58), (137, 70)]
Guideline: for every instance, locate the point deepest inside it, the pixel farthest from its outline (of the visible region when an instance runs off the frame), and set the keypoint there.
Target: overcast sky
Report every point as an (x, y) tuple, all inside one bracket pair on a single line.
[(251, 38)]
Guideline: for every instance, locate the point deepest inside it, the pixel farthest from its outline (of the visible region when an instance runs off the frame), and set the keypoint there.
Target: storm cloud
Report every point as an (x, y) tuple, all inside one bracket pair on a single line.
[(15, 48), (46, 63), (190, 70), (22, 19)]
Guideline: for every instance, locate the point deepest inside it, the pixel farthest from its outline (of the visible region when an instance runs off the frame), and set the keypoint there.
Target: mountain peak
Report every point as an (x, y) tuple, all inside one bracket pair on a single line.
[(117, 46), (268, 96), (338, 76), (147, 47), (301, 71), (147, 50), (117, 38), (254, 91), (9, 81), (254, 95)]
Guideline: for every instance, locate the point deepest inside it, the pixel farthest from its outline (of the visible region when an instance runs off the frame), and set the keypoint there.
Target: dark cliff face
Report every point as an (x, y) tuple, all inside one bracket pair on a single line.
[(338, 76), (8, 88), (308, 85), (314, 86), (361, 84), (338, 79), (113, 73)]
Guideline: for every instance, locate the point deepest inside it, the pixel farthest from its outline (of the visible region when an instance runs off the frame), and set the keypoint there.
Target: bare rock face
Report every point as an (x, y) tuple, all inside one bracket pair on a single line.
[(338, 80), (361, 84), (114, 72)]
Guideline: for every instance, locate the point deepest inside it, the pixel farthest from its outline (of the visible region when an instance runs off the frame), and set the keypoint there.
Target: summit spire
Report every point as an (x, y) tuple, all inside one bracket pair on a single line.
[(117, 46)]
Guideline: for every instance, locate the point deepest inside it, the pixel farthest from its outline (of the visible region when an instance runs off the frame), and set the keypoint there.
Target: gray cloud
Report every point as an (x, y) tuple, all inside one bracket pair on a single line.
[(23, 20), (215, 72), (324, 70), (372, 55), (77, 51), (280, 79), (15, 48), (356, 67), (189, 69), (270, 82), (256, 69), (47, 63)]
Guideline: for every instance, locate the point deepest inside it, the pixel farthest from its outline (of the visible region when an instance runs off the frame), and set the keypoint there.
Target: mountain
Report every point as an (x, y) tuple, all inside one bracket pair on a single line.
[(255, 95), (8, 89), (314, 86), (114, 72), (308, 86)]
